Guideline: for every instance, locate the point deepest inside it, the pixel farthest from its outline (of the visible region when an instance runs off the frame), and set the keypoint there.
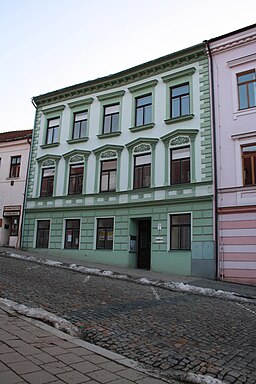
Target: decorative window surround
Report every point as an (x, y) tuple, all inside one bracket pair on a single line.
[(241, 60), (141, 145), (106, 152), (74, 157), (241, 139), (173, 80), (51, 113), (180, 137), (77, 106), (106, 100), (47, 161), (138, 91)]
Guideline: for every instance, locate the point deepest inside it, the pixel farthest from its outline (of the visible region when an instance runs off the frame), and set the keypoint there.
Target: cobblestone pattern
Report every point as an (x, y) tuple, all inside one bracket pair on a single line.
[(178, 332)]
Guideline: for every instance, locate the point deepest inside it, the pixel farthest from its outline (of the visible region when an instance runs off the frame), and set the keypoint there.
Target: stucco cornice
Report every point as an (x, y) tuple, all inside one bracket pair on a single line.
[(219, 48), (140, 72)]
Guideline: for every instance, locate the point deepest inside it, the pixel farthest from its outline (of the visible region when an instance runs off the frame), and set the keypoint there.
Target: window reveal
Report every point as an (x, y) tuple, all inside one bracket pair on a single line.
[(249, 164), (80, 125), (72, 234), (180, 232), (105, 233), (108, 176), (180, 100), (180, 165), (111, 118), (143, 110), (43, 231), (76, 174), (142, 171), (246, 82), (15, 166), (52, 130), (47, 182)]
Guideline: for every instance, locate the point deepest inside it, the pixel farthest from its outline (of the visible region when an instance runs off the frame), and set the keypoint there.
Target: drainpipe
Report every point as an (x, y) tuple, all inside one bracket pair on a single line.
[(26, 184), (214, 160)]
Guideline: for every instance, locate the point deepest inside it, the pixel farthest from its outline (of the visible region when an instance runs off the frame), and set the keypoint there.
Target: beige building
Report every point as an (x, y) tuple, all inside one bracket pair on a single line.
[(14, 154)]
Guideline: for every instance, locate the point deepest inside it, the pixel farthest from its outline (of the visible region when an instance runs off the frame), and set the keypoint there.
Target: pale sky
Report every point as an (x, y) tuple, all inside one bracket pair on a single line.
[(50, 44)]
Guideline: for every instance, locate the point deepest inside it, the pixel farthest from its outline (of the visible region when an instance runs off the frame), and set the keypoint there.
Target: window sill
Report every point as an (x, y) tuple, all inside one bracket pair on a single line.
[(75, 141), (179, 119), (142, 127), (52, 145), (12, 178), (244, 112), (107, 135), (179, 250)]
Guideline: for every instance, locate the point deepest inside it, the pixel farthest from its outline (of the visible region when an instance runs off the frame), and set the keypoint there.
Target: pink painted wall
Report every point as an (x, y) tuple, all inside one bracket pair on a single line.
[(237, 228)]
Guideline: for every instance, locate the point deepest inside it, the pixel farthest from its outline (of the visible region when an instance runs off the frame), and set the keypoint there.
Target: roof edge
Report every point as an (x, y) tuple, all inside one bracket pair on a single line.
[(124, 76)]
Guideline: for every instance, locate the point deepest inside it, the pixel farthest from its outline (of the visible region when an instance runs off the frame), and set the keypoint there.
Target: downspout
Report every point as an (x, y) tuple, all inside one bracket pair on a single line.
[(216, 218), (26, 184)]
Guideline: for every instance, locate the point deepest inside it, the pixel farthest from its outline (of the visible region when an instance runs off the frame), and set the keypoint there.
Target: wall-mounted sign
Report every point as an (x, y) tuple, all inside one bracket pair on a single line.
[(159, 239), (12, 210)]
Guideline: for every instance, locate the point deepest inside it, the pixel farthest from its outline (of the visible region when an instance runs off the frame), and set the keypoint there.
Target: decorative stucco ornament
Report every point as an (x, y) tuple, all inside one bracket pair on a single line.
[(142, 148), (180, 140), (76, 159), (108, 154), (48, 163)]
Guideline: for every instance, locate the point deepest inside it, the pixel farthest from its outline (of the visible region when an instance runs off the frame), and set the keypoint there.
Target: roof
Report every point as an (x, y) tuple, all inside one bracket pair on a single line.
[(241, 30), (15, 135), (139, 72)]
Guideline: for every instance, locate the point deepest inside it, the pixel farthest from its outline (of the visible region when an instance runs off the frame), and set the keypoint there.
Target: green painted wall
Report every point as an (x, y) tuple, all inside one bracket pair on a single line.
[(162, 259)]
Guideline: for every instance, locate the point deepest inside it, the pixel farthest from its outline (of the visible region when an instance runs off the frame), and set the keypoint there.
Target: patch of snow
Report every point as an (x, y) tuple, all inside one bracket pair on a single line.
[(143, 280), (107, 273), (41, 314), (201, 379), (172, 286)]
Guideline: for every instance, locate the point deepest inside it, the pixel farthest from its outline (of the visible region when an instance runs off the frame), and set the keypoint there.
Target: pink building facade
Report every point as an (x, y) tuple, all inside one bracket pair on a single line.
[(233, 66)]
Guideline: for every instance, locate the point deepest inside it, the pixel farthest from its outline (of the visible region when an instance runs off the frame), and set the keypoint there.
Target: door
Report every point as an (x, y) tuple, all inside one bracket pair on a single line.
[(144, 244)]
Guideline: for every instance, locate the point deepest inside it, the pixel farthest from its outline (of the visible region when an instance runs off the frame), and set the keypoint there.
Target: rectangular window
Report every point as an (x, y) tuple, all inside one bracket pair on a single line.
[(52, 130), (143, 114), (180, 232), (249, 164), (15, 166), (111, 118), (180, 101), (76, 176), (142, 171), (72, 234), (43, 232), (180, 165), (80, 125), (108, 176), (105, 233), (47, 182), (246, 82)]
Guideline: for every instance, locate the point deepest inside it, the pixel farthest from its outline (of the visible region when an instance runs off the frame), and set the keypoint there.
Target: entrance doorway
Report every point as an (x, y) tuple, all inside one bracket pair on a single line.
[(144, 244)]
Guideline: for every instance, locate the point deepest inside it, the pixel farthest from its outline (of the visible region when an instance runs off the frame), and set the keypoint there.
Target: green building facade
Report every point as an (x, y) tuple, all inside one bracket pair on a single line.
[(121, 169)]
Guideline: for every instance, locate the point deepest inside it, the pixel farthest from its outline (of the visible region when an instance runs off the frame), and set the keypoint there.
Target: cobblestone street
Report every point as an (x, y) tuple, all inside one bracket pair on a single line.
[(170, 331)]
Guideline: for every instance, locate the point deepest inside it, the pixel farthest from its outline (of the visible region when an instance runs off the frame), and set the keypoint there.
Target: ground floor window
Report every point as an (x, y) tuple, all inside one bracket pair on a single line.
[(105, 230), (43, 231), (72, 234), (180, 232)]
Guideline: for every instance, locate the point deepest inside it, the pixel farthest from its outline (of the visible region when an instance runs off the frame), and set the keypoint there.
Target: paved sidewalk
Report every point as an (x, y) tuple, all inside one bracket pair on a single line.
[(35, 353)]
